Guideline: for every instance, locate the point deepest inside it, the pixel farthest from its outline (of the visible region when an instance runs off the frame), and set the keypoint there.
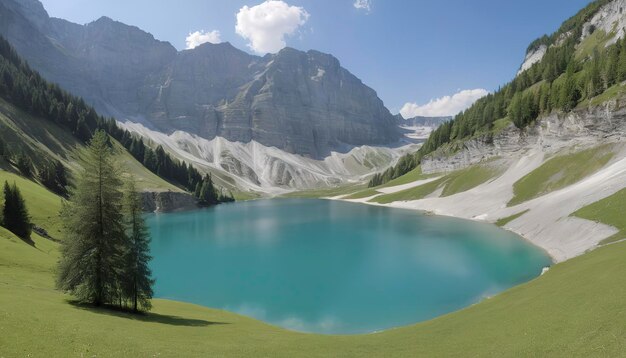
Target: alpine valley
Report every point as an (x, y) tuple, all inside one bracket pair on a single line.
[(349, 231)]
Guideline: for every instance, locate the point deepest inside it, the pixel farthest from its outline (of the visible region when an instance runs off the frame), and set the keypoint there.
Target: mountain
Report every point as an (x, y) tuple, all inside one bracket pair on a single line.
[(301, 102), (420, 121), (419, 128)]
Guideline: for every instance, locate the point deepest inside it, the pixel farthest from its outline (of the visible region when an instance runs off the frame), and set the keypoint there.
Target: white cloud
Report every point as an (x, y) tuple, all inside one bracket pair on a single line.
[(266, 25), (363, 5), (198, 38), (444, 106)]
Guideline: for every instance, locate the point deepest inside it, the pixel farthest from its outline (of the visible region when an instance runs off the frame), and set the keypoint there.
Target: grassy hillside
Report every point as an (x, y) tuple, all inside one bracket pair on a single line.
[(326, 192), (560, 172), (43, 140), (417, 193), (43, 205), (610, 211), (452, 183), (412, 176)]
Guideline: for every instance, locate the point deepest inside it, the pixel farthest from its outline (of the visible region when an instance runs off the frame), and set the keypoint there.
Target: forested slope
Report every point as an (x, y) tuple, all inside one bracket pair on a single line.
[(581, 66)]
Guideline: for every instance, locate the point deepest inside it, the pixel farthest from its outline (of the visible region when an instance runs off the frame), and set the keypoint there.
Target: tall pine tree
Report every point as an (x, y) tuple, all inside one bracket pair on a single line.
[(137, 282), (92, 254), (15, 214)]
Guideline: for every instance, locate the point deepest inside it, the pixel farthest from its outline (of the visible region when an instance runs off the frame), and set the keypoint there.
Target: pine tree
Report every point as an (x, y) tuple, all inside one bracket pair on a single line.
[(15, 214), (515, 111), (60, 176), (610, 70), (24, 165), (208, 194), (137, 284), (92, 255), (621, 65), (569, 91)]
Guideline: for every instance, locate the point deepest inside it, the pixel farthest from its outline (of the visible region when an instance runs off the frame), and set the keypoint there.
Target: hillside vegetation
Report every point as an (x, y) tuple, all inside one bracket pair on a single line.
[(609, 211), (449, 184), (560, 172)]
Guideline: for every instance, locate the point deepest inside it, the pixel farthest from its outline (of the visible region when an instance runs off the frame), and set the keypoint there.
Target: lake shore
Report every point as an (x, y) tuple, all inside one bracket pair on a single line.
[(546, 222)]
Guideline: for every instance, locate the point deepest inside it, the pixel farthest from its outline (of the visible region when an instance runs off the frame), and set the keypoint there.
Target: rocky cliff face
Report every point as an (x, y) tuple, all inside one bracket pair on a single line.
[(168, 201), (585, 127), (303, 103)]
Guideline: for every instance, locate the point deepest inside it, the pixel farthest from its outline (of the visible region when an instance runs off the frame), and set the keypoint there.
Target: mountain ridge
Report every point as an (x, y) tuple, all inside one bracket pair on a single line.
[(301, 102)]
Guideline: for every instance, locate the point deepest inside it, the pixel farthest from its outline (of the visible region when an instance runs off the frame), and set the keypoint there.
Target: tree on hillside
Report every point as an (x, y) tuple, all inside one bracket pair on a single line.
[(208, 194), (137, 281), (569, 91), (92, 254), (24, 165), (14, 213), (54, 177)]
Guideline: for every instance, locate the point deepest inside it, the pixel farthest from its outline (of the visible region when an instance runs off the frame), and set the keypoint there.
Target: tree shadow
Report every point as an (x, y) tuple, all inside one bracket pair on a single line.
[(28, 240), (144, 316)]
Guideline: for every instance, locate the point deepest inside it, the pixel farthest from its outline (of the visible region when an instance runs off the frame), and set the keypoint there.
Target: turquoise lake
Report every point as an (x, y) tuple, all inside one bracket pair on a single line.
[(333, 267)]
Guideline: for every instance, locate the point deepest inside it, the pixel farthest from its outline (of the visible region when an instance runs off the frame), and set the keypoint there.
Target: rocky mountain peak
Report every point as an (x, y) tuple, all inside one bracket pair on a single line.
[(301, 102)]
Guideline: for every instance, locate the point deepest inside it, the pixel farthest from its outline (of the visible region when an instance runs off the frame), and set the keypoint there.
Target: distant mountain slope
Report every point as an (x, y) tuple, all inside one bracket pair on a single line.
[(421, 121), (303, 103), (419, 128)]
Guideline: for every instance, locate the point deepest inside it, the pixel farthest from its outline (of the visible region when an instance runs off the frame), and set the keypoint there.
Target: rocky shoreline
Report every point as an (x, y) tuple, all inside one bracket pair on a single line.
[(168, 201)]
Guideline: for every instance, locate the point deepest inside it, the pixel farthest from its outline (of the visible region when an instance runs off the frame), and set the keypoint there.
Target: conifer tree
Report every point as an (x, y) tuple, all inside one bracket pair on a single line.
[(208, 194), (14, 213), (137, 281), (569, 91), (92, 253), (24, 165)]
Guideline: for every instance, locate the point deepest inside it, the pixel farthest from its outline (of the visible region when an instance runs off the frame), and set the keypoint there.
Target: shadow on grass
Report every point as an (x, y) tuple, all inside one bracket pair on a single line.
[(29, 241), (144, 316)]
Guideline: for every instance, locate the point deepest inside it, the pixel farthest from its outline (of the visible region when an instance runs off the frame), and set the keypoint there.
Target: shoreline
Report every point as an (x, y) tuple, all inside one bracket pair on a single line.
[(547, 221), (366, 201)]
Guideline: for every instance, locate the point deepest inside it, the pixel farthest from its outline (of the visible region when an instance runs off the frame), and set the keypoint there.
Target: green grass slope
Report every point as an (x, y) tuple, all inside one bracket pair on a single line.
[(43, 140), (560, 172), (503, 221), (410, 177), (326, 192), (452, 183), (42, 204), (417, 193), (610, 211), (576, 309)]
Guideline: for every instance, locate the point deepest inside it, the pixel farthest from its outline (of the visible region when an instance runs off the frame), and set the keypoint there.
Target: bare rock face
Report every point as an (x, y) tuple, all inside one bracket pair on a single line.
[(167, 201), (302, 103), (590, 126)]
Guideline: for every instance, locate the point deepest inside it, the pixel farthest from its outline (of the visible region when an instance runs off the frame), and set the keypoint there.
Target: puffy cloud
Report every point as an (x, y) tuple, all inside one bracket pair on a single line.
[(444, 106), (363, 5), (198, 38), (266, 25)]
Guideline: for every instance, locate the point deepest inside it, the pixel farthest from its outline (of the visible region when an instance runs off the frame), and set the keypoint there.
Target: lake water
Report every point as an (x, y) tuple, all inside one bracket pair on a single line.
[(333, 267)]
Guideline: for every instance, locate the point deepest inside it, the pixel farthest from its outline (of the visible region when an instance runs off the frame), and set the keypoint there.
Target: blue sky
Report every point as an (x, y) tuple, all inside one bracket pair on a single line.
[(408, 51)]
